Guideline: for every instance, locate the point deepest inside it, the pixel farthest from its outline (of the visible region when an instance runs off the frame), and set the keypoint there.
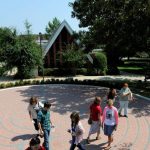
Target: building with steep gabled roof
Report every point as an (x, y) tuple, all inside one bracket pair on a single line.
[(57, 43)]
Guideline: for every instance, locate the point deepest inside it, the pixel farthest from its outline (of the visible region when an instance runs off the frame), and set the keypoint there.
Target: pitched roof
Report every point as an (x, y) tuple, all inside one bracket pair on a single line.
[(56, 34)]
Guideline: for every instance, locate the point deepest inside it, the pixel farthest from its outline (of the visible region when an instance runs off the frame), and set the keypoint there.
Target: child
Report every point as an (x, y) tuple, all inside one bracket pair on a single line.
[(35, 144), (110, 121), (45, 124), (33, 109), (77, 132), (72, 130)]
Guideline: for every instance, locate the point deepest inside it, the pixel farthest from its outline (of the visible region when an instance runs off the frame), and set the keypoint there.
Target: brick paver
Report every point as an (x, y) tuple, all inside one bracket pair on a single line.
[(16, 129)]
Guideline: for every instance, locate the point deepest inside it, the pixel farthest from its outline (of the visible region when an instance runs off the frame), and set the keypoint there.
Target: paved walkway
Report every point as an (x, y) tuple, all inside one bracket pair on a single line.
[(16, 128)]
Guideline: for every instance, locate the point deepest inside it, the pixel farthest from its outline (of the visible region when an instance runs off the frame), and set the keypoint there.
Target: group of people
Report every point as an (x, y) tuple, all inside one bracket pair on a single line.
[(40, 116), (106, 118)]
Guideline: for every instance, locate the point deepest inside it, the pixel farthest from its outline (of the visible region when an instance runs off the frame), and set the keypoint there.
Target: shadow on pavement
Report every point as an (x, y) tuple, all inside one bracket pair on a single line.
[(68, 98), (23, 137), (96, 147), (65, 98)]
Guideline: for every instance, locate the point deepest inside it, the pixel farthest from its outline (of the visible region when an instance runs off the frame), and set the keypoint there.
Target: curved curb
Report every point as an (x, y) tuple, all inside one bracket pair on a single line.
[(143, 97)]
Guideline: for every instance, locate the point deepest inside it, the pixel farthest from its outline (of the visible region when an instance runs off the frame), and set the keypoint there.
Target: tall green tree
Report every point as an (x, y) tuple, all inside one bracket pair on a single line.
[(8, 38), (52, 26), (122, 26), (20, 51)]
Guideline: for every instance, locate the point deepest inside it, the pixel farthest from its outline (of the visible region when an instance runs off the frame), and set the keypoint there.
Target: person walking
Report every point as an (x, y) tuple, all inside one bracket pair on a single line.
[(95, 116), (77, 133), (44, 123), (33, 108), (109, 121), (72, 130), (125, 96)]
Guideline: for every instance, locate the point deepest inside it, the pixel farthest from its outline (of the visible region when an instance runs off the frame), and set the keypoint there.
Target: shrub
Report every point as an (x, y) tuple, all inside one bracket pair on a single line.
[(9, 85), (100, 63), (2, 86), (17, 83), (27, 82), (73, 58), (48, 72), (81, 71)]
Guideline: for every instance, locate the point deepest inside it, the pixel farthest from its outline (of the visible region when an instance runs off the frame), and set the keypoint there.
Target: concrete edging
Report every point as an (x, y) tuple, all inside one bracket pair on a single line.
[(143, 97)]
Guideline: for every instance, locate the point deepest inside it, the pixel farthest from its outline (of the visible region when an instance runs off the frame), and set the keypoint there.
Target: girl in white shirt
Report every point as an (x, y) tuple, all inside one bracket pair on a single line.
[(33, 109), (78, 133)]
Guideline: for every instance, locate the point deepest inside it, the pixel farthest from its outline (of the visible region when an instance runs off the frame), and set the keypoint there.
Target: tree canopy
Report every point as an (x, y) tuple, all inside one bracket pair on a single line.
[(52, 26), (19, 51), (122, 26)]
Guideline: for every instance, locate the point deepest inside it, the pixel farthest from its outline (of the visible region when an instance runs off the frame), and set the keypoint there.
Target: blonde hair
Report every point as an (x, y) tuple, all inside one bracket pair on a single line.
[(110, 102)]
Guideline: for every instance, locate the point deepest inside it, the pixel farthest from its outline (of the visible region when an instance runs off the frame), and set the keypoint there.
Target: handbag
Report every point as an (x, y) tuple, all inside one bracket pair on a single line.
[(90, 121)]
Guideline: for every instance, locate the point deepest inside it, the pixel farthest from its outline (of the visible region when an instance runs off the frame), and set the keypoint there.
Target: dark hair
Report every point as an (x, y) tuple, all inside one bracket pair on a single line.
[(71, 117), (33, 100), (76, 118), (72, 114), (110, 94), (47, 105), (34, 141)]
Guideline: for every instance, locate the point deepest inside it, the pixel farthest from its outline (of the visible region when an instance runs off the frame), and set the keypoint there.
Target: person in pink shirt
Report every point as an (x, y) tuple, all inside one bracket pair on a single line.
[(110, 121)]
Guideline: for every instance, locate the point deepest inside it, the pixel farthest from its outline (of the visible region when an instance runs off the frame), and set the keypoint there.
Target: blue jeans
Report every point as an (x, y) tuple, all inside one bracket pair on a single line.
[(73, 146), (46, 139)]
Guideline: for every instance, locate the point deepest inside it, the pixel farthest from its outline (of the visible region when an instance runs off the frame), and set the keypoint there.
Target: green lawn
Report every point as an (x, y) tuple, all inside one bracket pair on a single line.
[(132, 69)]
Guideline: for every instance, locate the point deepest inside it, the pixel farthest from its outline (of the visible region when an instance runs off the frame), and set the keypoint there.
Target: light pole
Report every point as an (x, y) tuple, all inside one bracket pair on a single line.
[(40, 36)]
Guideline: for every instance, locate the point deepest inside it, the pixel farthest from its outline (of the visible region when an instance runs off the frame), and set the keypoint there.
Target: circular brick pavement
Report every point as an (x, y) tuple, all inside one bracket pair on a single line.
[(16, 129)]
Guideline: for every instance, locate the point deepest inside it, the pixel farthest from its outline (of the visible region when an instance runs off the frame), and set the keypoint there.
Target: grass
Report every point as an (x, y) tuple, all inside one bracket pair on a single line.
[(132, 69)]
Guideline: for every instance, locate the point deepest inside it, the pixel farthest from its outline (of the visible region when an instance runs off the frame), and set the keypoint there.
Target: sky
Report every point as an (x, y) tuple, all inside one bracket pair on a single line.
[(13, 13)]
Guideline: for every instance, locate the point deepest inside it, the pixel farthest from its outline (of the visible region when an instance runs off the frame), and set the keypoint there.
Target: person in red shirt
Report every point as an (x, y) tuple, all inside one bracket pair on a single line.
[(35, 144), (95, 116)]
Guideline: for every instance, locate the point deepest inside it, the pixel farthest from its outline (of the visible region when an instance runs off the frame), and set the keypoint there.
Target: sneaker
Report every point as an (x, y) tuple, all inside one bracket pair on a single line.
[(126, 116)]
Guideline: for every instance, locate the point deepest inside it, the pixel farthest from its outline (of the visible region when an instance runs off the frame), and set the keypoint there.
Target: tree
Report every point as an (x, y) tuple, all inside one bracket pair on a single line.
[(72, 58), (122, 26), (27, 27), (19, 51), (26, 56), (100, 63), (52, 26), (7, 41)]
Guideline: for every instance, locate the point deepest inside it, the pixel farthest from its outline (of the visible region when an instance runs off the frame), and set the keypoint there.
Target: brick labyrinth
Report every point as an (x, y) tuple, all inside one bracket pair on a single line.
[(16, 129)]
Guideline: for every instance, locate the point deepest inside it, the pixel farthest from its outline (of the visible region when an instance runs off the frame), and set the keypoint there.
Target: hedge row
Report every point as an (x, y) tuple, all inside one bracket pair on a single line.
[(66, 71), (105, 83)]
